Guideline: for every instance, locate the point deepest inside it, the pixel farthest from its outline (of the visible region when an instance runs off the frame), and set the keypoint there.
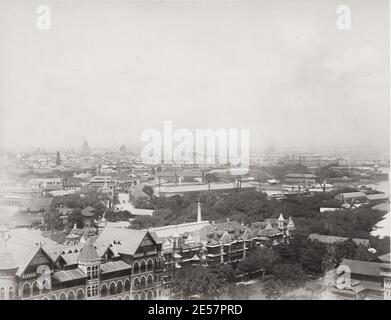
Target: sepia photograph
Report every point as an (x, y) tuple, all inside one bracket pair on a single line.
[(194, 150)]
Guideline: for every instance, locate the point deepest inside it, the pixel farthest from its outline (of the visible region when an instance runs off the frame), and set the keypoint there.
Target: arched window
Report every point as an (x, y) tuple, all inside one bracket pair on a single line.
[(2, 293), (149, 280), (26, 290), (112, 288), (136, 268), (142, 282), (71, 295), (143, 266), (62, 296), (150, 265), (149, 296), (127, 285), (120, 287), (54, 297), (11, 293), (89, 273), (143, 296), (136, 283), (45, 286), (35, 288), (135, 297), (80, 294), (104, 291)]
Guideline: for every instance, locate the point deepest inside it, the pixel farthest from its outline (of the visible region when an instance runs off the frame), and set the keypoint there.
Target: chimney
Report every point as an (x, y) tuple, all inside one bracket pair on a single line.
[(199, 211)]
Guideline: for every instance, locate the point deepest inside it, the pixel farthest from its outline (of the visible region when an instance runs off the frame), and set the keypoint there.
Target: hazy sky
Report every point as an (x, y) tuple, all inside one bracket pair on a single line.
[(109, 69)]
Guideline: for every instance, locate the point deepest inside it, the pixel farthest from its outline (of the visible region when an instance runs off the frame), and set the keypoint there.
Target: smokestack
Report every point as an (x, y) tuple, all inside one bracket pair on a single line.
[(199, 211)]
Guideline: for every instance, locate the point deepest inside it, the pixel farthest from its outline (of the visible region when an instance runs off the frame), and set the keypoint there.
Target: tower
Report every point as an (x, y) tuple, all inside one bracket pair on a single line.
[(8, 268), (122, 149), (85, 149), (280, 222), (58, 159), (89, 263), (199, 211)]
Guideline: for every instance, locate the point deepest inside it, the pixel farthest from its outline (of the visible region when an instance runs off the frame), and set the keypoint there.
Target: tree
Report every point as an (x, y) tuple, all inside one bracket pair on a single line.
[(289, 275), (323, 174), (272, 289), (260, 258), (198, 280), (343, 250), (237, 291), (52, 220), (362, 254), (148, 190)]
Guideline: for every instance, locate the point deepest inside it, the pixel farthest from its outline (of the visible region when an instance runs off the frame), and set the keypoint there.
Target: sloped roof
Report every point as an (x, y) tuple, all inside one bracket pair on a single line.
[(68, 275), (88, 253), (6, 261), (385, 257), (167, 231), (36, 204), (128, 240), (363, 267), (113, 266), (70, 258)]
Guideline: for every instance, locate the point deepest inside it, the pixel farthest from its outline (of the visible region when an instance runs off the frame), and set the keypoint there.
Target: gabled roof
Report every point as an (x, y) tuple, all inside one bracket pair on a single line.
[(127, 240)]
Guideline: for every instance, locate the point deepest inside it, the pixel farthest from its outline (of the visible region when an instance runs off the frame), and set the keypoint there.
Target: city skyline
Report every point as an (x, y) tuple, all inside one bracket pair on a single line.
[(288, 75)]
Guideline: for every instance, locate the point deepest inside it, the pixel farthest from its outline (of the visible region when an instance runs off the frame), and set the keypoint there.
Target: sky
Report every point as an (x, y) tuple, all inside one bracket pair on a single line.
[(107, 70)]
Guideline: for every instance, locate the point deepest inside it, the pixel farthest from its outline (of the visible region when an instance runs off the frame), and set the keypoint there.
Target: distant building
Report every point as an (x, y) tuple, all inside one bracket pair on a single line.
[(302, 179), (85, 150), (352, 197), (58, 159), (171, 190), (331, 240), (359, 280)]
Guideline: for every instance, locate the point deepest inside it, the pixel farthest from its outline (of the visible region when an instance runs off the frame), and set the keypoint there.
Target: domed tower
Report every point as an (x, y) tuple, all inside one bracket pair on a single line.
[(280, 222), (89, 263), (8, 268)]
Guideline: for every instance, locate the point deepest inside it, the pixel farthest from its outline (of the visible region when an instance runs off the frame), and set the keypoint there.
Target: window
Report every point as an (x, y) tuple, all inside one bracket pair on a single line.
[(113, 289), (80, 294), (2, 293), (26, 290), (11, 293), (150, 265), (127, 285), (104, 291), (119, 287), (136, 268), (143, 266)]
